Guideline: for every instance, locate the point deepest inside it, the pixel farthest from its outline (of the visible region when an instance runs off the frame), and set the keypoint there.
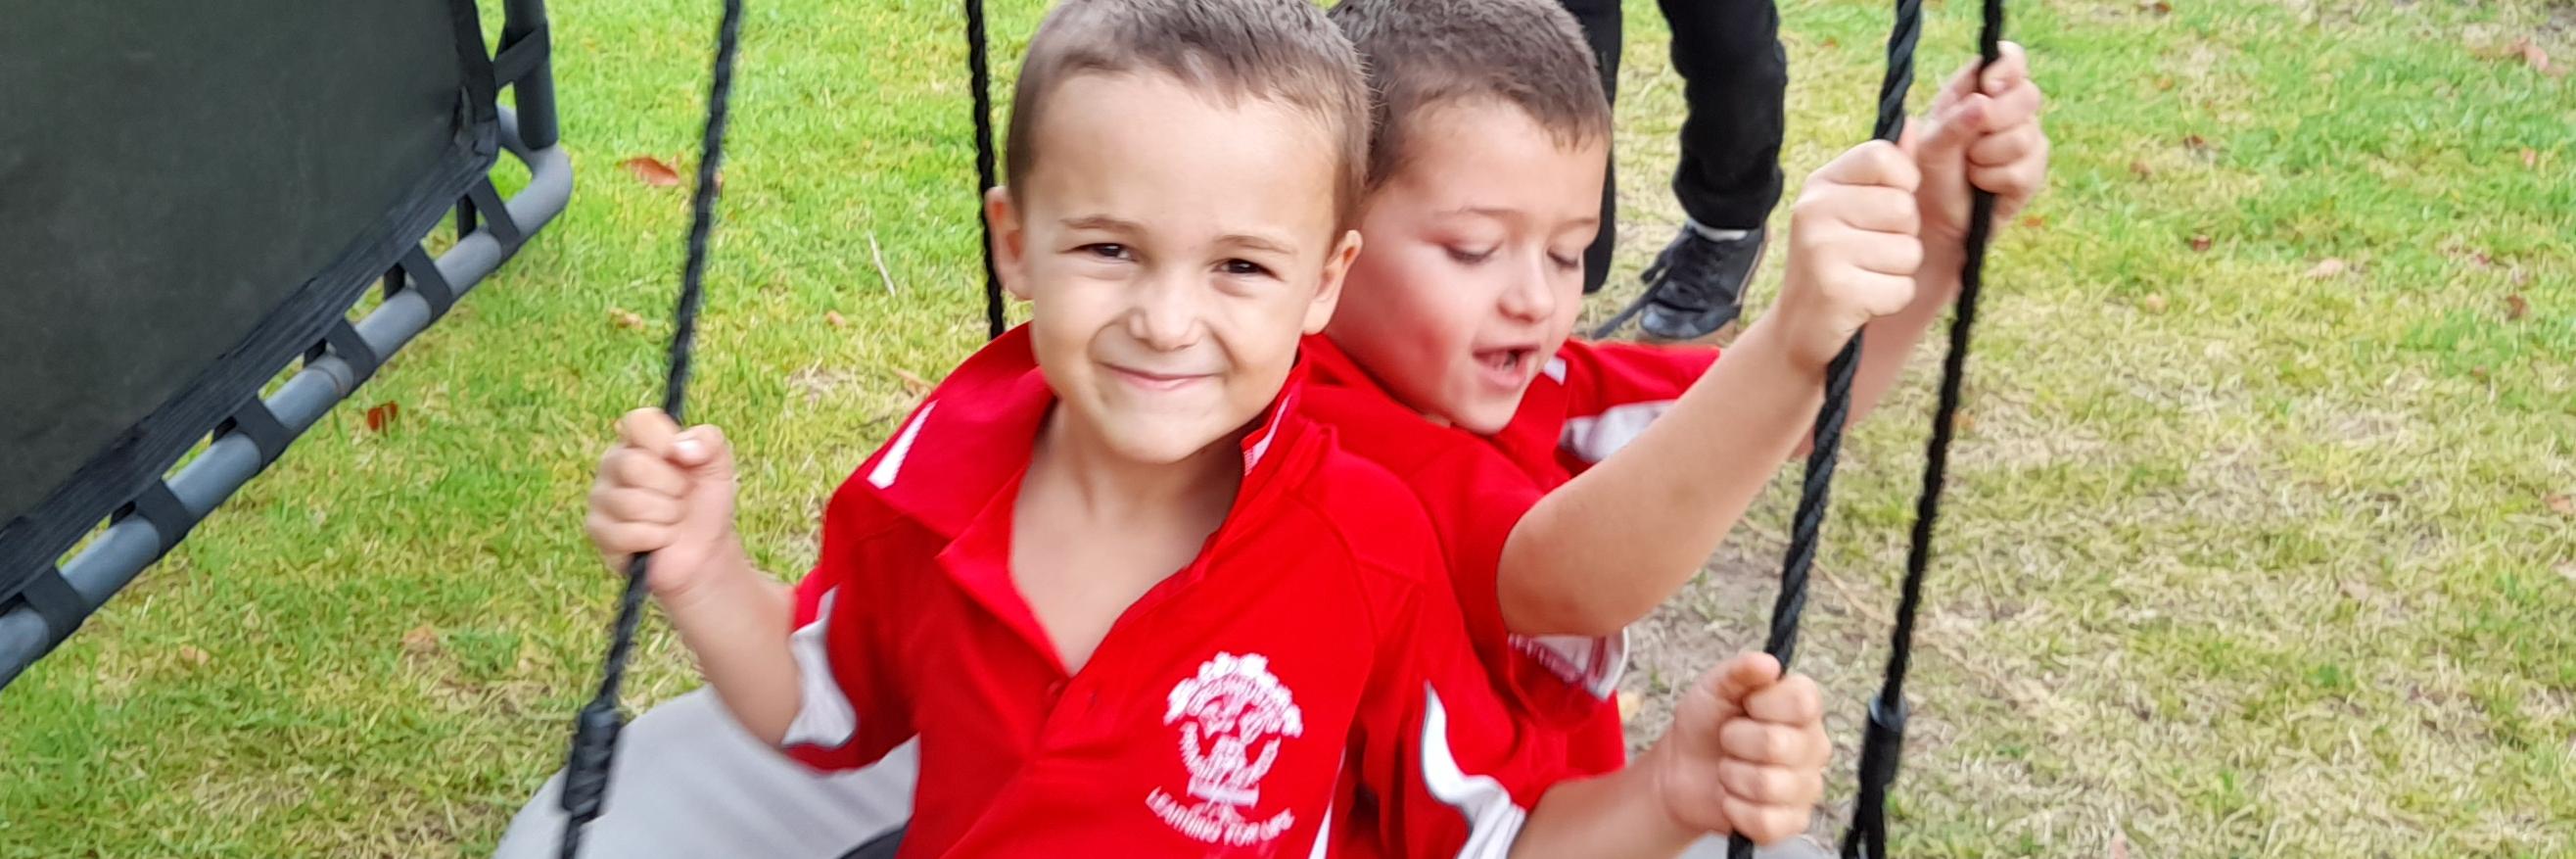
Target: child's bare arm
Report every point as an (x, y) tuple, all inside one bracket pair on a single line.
[(1576, 563), (736, 626), (670, 492), (1746, 756), (1615, 814), (1607, 547)]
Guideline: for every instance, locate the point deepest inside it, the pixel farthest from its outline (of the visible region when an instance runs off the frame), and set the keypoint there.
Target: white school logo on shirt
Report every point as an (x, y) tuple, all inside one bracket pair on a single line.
[(1232, 718)]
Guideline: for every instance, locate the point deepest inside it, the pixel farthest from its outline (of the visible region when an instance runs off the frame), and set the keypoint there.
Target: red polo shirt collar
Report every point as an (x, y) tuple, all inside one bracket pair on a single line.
[(978, 433), (1529, 440)]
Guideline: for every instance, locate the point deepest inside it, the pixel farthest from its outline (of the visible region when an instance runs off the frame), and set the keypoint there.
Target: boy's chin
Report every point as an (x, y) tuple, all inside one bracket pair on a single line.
[(1481, 418)]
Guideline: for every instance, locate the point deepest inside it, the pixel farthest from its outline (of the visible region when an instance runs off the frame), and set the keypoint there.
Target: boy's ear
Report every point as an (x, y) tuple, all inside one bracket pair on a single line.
[(1010, 241), (1328, 295)]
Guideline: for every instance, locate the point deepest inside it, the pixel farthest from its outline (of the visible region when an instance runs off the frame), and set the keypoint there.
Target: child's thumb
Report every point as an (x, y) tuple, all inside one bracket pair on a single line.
[(1720, 694), (702, 449), (1742, 676), (1953, 129)]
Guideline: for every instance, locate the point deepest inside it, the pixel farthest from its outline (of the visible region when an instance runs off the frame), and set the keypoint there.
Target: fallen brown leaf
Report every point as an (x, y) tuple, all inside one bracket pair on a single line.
[(2033, 222), (835, 319), (651, 171), (916, 384), (2330, 267), (2200, 243), (2154, 303), (383, 415), (2164, 84), (422, 640), (2532, 55), (2493, 51), (194, 656), (2140, 169), (1831, 43), (2478, 373), (2515, 307), (2531, 158), (2560, 504), (2160, 7), (2198, 146), (626, 319)]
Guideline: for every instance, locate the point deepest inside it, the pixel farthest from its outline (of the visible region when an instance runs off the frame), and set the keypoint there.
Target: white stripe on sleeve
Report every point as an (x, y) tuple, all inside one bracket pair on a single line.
[(824, 715), (1595, 664), (1595, 438), (1493, 822)]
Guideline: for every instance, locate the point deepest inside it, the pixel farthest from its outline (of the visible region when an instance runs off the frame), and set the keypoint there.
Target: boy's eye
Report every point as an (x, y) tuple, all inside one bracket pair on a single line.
[(1243, 268), (1105, 250), (1567, 263), (1469, 257)]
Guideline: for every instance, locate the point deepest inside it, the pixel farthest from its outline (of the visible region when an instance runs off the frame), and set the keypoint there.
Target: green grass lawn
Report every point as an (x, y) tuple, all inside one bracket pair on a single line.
[(2243, 558)]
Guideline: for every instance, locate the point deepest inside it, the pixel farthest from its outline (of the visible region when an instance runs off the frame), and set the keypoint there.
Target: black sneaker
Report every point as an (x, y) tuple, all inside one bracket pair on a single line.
[(1694, 288)]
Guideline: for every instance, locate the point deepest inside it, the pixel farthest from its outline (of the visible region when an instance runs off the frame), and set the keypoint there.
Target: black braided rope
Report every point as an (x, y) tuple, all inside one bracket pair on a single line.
[(594, 742), (979, 72), (1884, 743), (1813, 493)]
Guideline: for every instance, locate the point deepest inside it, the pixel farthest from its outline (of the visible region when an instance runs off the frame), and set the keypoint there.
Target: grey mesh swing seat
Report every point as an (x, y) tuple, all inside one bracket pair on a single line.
[(192, 198)]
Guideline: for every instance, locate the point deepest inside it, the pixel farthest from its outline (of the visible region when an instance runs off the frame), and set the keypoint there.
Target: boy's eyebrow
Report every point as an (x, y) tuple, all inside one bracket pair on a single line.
[(1259, 243), (1501, 213), (1105, 223)]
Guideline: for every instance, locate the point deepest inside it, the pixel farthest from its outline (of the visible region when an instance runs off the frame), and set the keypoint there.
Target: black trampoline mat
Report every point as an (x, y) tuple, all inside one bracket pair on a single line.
[(180, 178)]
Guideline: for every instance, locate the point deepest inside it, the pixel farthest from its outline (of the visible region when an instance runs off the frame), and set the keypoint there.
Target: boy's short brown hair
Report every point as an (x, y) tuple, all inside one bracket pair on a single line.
[(1422, 54), (1282, 50)]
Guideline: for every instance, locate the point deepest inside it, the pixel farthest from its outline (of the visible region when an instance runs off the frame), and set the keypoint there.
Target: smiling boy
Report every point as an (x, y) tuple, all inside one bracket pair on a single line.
[(1127, 596)]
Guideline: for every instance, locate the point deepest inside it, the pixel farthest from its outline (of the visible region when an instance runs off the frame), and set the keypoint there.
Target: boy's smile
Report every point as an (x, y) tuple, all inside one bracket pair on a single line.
[(1474, 274)]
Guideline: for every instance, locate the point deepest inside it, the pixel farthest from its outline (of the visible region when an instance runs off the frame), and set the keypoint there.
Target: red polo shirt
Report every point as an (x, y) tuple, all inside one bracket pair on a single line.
[(1590, 400), (1302, 688)]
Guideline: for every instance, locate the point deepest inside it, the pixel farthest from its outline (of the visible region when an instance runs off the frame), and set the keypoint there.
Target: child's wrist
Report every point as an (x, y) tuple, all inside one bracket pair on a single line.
[(1936, 282), (728, 568), (1658, 770), (1799, 345)]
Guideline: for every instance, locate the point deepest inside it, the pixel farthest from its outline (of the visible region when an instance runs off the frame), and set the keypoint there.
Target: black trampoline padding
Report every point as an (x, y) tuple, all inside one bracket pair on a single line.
[(190, 194)]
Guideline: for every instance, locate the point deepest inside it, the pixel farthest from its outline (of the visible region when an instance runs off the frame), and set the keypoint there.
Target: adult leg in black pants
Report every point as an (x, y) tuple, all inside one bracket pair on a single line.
[(1734, 78)]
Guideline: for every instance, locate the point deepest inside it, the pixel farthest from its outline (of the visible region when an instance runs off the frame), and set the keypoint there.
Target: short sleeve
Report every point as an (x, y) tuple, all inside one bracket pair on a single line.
[(1445, 764), (1612, 391), (1475, 497), (851, 711)]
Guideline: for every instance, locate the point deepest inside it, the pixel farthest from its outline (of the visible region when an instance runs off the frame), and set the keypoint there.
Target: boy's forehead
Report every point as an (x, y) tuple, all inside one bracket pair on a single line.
[(1490, 158), (1113, 142)]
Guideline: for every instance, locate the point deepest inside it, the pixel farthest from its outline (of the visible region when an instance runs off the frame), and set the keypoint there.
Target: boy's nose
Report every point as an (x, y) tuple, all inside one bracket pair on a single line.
[(1168, 313), (1529, 295)]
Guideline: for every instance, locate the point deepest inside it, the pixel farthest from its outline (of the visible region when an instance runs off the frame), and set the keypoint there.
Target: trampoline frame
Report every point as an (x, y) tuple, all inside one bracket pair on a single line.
[(420, 289)]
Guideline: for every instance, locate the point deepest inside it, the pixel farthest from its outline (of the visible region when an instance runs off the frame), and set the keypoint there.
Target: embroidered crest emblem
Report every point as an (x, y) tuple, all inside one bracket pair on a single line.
[(1232, 718)]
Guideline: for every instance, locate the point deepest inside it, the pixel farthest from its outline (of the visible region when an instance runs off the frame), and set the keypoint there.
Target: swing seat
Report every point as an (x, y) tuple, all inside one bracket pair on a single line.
[(198, 194)]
